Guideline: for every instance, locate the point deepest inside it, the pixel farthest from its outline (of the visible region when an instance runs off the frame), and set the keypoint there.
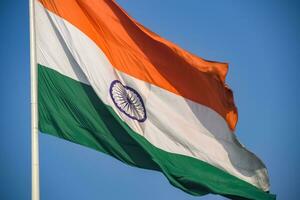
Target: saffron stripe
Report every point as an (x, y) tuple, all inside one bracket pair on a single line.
[(136, 51)]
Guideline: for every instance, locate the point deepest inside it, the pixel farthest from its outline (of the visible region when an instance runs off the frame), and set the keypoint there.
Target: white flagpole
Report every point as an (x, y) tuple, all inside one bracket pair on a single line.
[(35, 179)]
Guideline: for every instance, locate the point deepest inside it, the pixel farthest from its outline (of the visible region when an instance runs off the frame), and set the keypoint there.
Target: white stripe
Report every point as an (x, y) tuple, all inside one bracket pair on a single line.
[(174, 124)]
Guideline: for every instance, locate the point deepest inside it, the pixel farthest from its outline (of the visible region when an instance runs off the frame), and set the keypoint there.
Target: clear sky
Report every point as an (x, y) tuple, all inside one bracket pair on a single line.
[(260, 40)]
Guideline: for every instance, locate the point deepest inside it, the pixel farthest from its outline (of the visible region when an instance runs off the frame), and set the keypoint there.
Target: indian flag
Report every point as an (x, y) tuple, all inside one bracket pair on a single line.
[(108, 83)]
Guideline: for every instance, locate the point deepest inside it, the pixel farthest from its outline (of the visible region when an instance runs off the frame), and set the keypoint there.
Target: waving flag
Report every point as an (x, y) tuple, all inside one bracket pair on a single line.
[(108, 83)]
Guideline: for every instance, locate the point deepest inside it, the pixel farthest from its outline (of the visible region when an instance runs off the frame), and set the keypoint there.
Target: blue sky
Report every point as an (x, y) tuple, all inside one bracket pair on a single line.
[(260, 40)]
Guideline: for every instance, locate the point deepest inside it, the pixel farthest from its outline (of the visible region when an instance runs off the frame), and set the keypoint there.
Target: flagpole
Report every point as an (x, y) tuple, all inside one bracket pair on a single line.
[(35, 182)]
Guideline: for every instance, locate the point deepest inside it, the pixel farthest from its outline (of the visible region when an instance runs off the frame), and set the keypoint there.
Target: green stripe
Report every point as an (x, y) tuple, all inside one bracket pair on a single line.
[(71, 110)]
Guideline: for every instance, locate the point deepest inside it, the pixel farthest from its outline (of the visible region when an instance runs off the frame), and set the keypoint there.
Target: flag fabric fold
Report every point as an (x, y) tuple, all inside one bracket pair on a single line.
[(108, 83)]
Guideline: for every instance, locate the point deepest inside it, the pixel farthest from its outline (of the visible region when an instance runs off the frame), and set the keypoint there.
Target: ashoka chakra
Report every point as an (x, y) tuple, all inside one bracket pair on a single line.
[(128, 101)]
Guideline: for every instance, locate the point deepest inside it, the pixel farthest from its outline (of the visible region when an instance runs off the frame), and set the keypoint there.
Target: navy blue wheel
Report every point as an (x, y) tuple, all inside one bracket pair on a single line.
[(128, 101)]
